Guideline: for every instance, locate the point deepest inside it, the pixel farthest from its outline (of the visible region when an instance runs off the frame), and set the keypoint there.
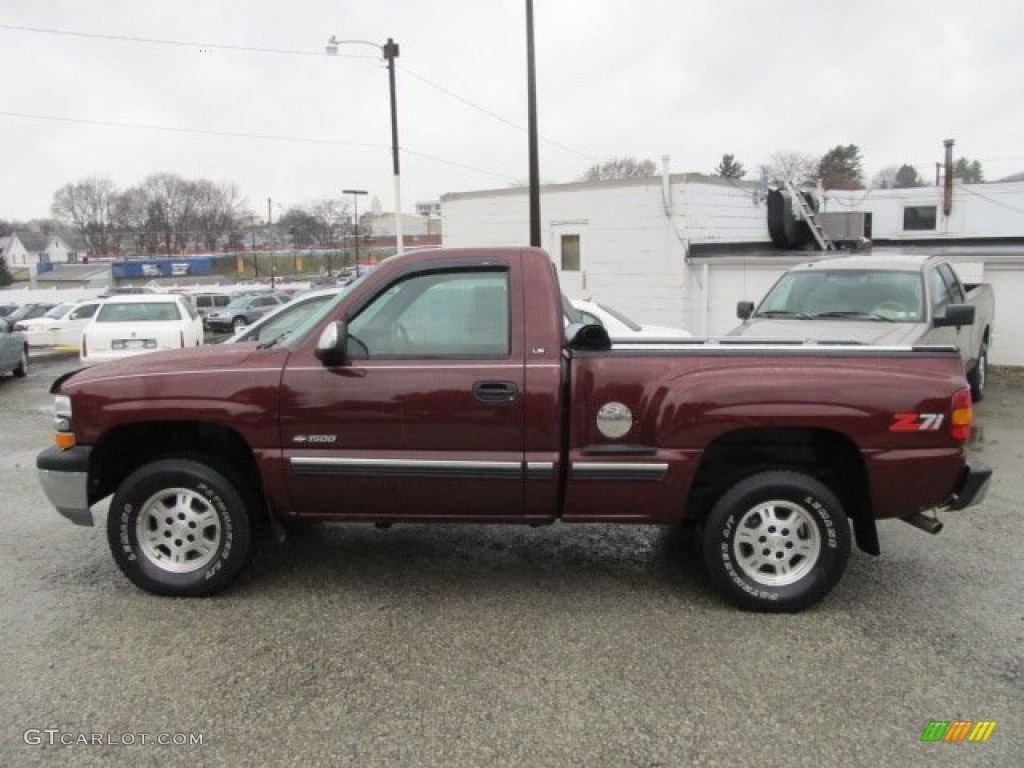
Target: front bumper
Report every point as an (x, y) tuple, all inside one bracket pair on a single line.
[(973, 486), (64, 476)]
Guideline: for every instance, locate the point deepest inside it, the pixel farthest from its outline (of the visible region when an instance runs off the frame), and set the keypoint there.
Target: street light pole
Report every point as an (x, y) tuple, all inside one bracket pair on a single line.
[(355, 221), (390, 52)]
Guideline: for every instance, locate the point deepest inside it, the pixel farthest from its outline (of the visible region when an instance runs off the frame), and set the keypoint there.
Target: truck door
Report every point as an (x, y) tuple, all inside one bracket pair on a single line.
[(426, 420)]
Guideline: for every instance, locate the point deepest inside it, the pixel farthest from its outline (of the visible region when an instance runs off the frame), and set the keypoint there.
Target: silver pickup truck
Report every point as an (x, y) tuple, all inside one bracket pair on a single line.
[(879, 299)]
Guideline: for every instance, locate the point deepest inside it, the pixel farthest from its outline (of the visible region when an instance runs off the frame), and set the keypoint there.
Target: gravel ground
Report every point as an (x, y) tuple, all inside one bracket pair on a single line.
[(496, 645)]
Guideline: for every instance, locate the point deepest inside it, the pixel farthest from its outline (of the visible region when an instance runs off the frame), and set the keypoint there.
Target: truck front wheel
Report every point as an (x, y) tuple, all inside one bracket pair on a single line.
[(776, 541), (180, 527)]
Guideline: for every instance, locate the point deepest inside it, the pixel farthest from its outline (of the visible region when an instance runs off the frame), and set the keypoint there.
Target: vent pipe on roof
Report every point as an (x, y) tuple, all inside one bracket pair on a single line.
[(947, 193)]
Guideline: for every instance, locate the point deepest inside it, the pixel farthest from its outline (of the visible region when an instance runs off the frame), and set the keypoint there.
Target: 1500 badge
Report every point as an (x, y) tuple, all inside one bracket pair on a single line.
[(321, 439), (916, 422)]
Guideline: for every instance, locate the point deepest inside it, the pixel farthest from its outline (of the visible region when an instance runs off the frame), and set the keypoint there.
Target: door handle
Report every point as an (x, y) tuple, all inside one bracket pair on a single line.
[(495, 391)]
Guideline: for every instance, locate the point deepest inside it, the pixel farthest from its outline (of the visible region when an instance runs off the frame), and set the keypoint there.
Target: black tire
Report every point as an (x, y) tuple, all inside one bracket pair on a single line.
[(776, 541), (22, 370), (978, 376), (180, 527)]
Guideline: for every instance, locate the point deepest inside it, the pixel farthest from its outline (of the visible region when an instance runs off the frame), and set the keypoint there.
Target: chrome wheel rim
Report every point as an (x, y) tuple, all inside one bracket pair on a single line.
[(776, 543), (178, 530)]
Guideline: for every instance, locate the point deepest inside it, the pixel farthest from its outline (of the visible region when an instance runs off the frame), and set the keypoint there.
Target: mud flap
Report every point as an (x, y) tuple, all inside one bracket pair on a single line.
[(865, 533)]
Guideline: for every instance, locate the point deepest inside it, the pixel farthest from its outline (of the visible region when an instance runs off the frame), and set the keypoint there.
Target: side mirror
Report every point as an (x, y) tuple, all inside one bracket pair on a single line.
[(332, 345), (744, 309), (956, 314), (587, 337)]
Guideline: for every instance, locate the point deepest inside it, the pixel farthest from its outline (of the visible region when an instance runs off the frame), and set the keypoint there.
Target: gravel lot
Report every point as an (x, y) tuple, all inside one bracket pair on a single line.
[(476, 645)]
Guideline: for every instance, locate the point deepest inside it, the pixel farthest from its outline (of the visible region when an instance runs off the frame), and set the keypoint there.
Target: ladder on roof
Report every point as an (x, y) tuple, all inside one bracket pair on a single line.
[(805, 212)]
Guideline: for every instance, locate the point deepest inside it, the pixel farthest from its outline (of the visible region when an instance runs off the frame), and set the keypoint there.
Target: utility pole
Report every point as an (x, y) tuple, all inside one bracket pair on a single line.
[(531, 99)]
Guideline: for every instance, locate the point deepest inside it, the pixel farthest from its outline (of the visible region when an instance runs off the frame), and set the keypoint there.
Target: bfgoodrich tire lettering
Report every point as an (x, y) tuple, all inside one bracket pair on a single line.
[(180, 527), (776, 541)]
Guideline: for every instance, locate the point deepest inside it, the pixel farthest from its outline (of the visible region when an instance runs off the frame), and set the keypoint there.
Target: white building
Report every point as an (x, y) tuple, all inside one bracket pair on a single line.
[(24, 251), (983, 213), (682, 249), (625, 242)]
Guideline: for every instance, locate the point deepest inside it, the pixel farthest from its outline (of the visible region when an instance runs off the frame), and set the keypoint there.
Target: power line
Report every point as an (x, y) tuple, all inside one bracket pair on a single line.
[(288, 52), (178, 43), (244, 135), (491, 114)]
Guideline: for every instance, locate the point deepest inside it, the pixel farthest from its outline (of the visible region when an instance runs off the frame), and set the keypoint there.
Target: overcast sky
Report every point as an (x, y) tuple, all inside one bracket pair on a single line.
[(690, 79)]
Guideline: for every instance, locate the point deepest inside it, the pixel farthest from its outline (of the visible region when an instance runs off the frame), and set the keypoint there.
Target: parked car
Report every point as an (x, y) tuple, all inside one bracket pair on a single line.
[(880, 299), (242, 311), (621, 327), (61, 326), (287, 318), (30, 310), (135, 324), (206, 303), (13, 350)]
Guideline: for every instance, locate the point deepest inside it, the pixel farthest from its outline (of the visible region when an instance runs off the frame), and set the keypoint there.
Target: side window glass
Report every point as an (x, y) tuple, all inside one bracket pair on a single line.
[(439, 315), (940, 293), (955, 288)]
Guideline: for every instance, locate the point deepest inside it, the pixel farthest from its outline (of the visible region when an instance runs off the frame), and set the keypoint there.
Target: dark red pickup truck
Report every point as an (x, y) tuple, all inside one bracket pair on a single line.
[(445, 386)]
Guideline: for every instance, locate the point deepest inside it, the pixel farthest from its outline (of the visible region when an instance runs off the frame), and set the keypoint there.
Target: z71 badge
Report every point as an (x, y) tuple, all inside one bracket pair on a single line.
[(916, 422)]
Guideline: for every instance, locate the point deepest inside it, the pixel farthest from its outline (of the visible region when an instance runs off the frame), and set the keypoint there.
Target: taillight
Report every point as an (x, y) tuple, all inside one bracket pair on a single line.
[(962, 416), (85, 349)]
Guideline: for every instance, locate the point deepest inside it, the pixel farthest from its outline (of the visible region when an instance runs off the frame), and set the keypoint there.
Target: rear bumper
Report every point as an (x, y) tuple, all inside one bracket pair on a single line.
[(64, 476), (973, 486)]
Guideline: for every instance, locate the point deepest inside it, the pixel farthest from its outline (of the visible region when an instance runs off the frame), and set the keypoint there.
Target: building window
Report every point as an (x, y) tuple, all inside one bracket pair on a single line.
[(570, 253), (919, 217)]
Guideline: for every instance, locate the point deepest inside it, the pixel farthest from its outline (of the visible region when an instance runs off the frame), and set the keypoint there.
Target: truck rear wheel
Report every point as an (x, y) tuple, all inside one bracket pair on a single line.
[(776, 541), (180, 527)]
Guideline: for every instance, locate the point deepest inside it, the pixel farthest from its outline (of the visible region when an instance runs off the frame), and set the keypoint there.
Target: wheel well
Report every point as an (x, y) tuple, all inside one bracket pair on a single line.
[(125, 449), (827, 456)]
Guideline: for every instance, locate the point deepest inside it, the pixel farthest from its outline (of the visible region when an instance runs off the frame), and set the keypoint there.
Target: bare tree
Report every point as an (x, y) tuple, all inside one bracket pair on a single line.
[(87, 205), (620, 168), (220, 208), (791, 166), (316, 223)]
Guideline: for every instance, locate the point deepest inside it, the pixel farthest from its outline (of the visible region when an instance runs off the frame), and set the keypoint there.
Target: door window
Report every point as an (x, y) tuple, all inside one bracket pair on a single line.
[(436, 315)]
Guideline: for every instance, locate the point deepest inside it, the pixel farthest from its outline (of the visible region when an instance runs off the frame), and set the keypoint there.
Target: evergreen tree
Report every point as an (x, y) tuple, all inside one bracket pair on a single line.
[(729, 168), (840, 168)]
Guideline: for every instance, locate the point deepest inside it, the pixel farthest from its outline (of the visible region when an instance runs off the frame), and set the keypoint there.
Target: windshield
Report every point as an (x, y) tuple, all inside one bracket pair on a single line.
[(285, 320), (59, 311), (846, 293)]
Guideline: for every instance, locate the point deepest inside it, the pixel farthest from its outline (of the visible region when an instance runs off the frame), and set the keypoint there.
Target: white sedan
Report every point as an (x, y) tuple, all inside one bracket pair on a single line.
[(135, 324), (61, 326), (621, 327)]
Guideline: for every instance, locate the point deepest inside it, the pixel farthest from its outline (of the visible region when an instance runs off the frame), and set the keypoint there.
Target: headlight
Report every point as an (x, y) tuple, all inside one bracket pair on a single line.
[(62, 422)]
